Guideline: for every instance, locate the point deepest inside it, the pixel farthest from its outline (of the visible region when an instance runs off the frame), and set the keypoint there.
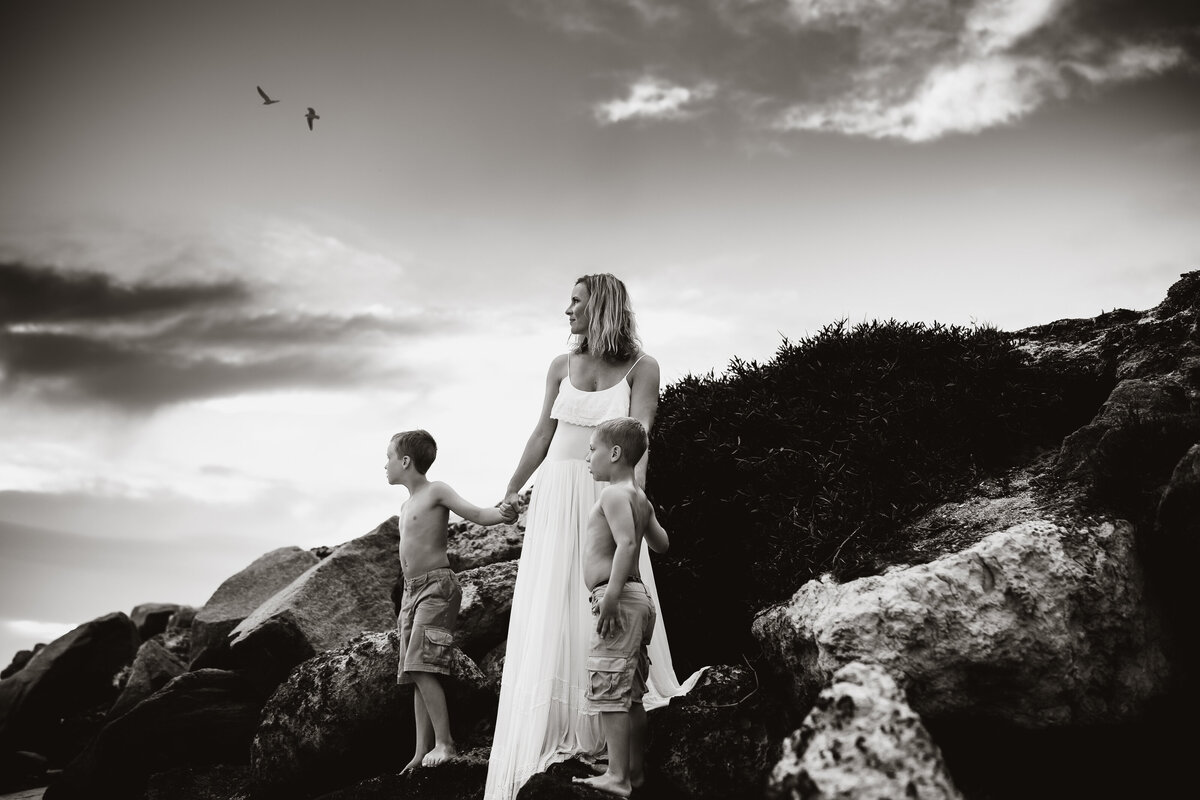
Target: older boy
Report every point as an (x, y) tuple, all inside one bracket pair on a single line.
[(429, 608), (617, 662)]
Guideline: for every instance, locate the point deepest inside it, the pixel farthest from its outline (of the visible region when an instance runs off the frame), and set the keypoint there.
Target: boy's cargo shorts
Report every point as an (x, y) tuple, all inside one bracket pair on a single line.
[(619, 665), (428, 616)]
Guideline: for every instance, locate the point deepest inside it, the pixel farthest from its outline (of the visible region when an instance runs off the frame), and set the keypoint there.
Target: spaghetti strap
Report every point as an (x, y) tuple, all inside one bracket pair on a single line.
[(627, 374)]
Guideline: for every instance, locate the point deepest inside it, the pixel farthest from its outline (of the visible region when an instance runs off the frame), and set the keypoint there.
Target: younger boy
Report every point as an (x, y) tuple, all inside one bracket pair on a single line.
[(618, 663), (429, 608)]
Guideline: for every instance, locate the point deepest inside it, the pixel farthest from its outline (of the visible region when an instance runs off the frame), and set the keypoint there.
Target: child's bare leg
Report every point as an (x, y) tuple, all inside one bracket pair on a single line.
[(424, 731), (637, 745), (439, 718), (616, 779)]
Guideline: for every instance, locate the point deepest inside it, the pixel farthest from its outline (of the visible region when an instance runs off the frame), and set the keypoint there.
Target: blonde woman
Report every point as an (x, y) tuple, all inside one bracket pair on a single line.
[(540, 719)]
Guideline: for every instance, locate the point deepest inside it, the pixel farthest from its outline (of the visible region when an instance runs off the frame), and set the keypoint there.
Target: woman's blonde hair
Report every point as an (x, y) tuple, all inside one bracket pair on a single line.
[(612, 331)]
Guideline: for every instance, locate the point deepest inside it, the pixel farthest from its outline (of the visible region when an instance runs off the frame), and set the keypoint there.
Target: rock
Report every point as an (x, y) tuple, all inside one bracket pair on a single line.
[(486, 602), (152, 618), (1178, 517), (557, 783), (1039, 625), (222, 782), (492, 666), (19, 661), (325, 607), (236, 599), (182, 619), (71, 676), (199, 719), (153, 667), (341, 717), (861, 742), (471, 546), (460, 778), (714, 741), (20, 770)]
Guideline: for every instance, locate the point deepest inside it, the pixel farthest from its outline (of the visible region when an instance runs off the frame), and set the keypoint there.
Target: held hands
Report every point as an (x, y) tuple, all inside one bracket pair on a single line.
[(508, 512)]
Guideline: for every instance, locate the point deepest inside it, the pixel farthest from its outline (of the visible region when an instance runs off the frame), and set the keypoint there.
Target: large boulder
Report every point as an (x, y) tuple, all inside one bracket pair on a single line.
[(329, 604), (487, 594), (470, 545), (71, 676), (861, 741), (221, 782), (153, 668), (237, 597), (1042, 624), (152, 618), (713, 742), (342, 717), (199, 719)]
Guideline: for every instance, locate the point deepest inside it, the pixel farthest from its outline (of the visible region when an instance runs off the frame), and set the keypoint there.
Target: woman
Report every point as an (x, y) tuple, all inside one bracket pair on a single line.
[(539, 720)]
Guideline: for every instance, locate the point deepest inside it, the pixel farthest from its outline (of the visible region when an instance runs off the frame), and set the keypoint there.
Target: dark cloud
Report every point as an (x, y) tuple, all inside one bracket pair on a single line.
[(80, 337), (33, 294)]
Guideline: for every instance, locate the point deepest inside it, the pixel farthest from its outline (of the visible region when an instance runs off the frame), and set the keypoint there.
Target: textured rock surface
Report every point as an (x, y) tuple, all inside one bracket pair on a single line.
[(329, 604), (153, 667), (459, 778), (341, 717), (199, 719), (238, 596), (486, 602), (222, 782), (1038, 625), (714, 741), (71, 675), (472, 545), (861, 742)]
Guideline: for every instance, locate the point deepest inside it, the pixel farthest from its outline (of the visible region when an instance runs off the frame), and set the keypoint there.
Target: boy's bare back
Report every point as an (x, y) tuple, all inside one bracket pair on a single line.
[(622, 512)]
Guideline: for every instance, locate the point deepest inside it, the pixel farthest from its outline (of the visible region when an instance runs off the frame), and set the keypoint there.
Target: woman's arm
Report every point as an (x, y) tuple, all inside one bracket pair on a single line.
[(539, 441), (643, 404)]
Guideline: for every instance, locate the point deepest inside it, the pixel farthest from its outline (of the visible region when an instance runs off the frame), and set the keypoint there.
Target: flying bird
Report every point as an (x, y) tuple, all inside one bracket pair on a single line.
[(310, 116), (266, 100)]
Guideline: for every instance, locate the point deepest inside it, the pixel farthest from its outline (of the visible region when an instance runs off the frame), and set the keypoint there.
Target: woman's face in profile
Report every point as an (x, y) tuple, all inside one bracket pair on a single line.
[(577, 309)]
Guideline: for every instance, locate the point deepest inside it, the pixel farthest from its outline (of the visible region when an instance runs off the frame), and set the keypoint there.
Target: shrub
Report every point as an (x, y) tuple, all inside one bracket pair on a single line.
[(772, 474)]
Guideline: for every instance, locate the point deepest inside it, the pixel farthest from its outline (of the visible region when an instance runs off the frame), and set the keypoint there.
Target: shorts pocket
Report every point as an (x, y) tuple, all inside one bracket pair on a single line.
[(609, 678), (439, 646)]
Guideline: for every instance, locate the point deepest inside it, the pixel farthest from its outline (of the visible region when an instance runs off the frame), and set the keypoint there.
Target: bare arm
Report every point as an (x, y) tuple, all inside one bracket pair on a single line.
[(643, 404), (539, 441), (469, 511), (656, 535), (619, 514)]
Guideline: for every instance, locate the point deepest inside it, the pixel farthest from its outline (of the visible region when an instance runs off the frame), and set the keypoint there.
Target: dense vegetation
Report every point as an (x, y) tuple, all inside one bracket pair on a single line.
[(772, 474)]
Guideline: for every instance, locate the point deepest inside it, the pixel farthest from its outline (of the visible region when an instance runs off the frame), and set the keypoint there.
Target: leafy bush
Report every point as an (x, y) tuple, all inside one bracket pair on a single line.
[(772, 474)]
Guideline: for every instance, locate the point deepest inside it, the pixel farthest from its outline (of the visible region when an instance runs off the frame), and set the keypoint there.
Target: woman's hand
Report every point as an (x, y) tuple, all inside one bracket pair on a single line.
[(513, 499)]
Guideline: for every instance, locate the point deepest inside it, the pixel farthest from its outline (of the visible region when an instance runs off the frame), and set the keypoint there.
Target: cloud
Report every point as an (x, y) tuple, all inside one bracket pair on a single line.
[(912, 70), (652, 98), (78, 336)]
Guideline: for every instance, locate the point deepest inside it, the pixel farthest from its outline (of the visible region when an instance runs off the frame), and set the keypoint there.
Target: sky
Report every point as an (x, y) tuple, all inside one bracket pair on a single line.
[(213, 318)]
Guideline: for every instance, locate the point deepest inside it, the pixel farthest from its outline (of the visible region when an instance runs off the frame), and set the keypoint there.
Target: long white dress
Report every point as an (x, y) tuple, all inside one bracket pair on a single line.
[(540, 719)]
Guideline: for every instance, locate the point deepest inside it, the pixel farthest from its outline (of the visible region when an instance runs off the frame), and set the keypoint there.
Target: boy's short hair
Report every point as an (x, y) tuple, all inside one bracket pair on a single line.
[(417, 445), (628, 433)]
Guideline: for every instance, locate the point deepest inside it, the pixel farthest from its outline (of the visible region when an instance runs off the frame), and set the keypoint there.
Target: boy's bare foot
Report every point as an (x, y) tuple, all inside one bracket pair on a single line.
[(607, 783), (440, 753), (410, 766)]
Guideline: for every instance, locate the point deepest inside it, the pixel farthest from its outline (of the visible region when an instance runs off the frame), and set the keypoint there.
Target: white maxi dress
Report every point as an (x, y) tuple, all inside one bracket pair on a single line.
[(540, 719)]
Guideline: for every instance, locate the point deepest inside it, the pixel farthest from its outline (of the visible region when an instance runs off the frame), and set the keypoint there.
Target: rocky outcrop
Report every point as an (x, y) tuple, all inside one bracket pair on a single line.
[(342, 717), (326, 606), (460, 778), (470, 545), (1042, 624), (486, 602), (237, 597), (73, 675), (153, 668), (861, 742), (222, 782), (152, 618), (201, 718)]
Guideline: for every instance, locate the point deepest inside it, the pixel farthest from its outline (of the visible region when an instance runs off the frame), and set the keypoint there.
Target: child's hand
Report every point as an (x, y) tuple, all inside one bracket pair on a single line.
[(508, 513), (608, 621)]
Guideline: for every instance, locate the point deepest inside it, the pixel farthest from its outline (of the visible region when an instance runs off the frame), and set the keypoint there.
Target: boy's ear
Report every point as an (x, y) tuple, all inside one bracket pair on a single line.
[(405, 461), (614, 455)]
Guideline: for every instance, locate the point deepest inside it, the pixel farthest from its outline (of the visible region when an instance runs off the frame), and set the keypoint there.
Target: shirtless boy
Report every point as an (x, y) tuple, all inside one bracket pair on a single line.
[(617, 662), (429, 609)]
